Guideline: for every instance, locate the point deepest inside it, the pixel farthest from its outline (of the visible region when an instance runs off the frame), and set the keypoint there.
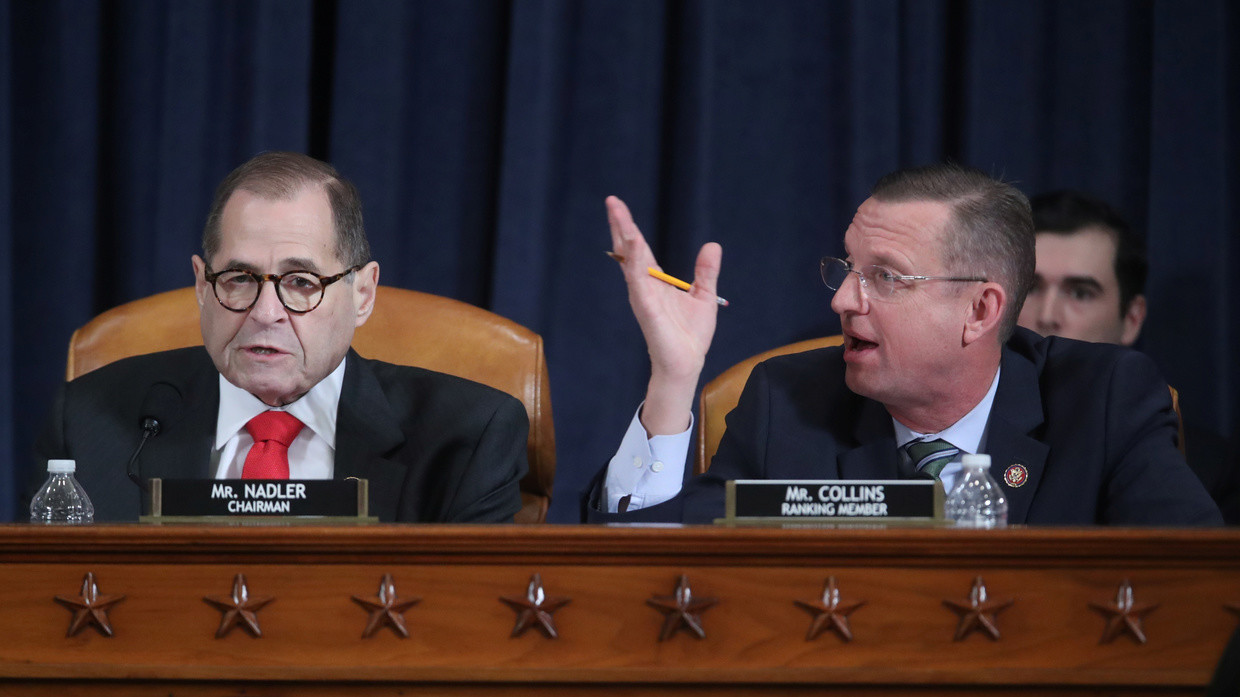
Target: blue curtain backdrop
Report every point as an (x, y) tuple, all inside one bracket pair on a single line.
[(484, 135)]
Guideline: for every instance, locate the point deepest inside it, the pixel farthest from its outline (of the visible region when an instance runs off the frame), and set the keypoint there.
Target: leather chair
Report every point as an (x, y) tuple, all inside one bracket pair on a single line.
[(407, 327), (720, 396), (1179, 419)]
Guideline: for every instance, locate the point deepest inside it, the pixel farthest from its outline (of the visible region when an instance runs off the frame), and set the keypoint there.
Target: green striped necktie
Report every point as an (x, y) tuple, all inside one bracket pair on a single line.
[(931, 456)]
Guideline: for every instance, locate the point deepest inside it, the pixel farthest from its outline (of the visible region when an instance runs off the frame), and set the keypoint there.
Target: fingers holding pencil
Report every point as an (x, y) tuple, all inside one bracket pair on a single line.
[(628, 244), (668, 279), (677, 326), (627, 241), (706, 273)]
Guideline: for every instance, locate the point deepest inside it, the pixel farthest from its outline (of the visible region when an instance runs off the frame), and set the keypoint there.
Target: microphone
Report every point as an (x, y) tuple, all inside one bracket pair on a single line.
[(161, 404)]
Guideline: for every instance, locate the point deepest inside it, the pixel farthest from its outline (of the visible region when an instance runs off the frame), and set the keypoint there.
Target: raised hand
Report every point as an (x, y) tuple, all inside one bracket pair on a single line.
[(678, 326)]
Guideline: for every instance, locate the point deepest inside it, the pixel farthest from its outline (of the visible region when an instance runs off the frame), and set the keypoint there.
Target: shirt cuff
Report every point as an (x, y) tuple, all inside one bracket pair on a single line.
[(646, 471)]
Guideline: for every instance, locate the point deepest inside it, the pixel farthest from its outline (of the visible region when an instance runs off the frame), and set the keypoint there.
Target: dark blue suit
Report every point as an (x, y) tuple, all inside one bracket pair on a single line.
[(1091, 423), (435, 448)]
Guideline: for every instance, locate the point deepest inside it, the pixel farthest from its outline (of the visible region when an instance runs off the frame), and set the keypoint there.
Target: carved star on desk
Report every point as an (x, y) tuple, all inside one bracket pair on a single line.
[(829, 613), (681, 610), (978, 612), (535, 609), (238, 609), (1124, 615), (90, 608), (386, 609)]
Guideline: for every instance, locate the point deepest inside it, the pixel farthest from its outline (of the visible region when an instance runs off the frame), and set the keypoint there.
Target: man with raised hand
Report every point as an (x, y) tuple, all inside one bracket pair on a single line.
[(935, 268)]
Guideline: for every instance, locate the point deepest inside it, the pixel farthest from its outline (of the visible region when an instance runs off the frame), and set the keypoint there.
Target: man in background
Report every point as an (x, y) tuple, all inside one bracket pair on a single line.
[(1089, 284)]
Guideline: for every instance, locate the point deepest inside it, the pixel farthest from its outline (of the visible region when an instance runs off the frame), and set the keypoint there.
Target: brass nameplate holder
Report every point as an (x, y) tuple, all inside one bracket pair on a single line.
[(261, 501), (842, 501)]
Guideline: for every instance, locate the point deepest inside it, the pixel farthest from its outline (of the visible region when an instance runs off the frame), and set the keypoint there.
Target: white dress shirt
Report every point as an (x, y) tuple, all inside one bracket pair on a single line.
[(968, 434), (647, 470), (650, 470), (311, 455)]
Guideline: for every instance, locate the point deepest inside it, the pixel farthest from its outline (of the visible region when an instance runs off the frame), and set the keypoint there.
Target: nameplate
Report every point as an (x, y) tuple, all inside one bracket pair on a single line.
[(851, 500), (277, 498)]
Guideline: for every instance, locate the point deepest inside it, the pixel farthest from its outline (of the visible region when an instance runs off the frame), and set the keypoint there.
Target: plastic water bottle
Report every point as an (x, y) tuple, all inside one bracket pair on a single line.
[(62, 500), (976, 501)]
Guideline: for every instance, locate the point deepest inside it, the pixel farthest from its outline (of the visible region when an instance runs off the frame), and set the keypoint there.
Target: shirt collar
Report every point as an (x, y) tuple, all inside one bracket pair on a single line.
[(968, 433), (316, 409)]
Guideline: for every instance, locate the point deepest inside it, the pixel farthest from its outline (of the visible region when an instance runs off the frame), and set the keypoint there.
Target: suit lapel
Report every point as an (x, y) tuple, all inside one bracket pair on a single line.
[(1017, 459), (366, 432), (875, 454)]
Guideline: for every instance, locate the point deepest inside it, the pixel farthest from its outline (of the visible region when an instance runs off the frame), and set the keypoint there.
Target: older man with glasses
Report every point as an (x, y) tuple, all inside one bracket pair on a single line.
[(276, 392), (937, 264)]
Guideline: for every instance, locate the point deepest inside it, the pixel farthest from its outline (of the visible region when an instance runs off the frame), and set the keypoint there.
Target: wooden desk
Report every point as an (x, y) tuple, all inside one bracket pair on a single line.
[(1050, 637)]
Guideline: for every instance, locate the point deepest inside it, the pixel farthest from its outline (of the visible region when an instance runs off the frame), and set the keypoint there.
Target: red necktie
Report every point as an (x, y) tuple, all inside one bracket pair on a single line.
[(268, 457)]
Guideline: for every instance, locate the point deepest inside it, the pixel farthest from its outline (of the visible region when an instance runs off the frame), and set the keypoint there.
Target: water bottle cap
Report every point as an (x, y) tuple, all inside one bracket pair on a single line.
[(979, 460), (62, 466)]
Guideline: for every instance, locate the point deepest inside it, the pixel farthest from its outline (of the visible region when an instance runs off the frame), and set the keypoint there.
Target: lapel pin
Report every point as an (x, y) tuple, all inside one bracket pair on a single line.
[(1015, 476)]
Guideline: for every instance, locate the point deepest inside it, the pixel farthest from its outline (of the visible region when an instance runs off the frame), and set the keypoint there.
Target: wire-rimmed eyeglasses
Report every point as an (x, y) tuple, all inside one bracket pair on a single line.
[(878, 281), (298, 291)]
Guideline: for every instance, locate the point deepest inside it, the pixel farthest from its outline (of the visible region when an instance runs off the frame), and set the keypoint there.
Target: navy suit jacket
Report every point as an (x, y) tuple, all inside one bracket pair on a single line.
[(1092, 424), (435, 448)]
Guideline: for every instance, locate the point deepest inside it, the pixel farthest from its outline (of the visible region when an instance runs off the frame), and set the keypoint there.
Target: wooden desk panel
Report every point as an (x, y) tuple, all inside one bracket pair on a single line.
[(903, 636)]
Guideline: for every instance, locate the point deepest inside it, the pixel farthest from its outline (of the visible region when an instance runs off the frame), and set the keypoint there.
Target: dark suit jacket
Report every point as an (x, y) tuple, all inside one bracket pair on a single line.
[(1216, 463), (434, 447), (1092, 423)]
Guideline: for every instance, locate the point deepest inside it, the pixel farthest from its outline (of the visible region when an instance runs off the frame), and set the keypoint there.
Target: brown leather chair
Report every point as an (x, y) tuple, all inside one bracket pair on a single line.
[(406, 327), (721, 395), (1179, 419)]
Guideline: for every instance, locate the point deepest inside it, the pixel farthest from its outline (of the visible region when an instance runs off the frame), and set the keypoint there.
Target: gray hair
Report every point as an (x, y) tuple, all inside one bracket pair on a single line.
[(991, 230), (283, 176)]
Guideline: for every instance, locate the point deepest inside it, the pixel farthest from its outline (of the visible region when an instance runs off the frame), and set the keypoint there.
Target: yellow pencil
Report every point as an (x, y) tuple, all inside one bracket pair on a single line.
[(666, 278)]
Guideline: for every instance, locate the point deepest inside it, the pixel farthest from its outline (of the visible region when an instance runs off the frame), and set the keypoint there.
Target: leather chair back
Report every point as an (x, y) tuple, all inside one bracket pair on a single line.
[(407, 327), (720, 396)]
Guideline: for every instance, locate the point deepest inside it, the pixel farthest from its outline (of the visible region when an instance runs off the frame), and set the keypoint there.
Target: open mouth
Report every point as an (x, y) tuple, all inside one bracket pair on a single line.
[(853, 343), (263, 350)]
